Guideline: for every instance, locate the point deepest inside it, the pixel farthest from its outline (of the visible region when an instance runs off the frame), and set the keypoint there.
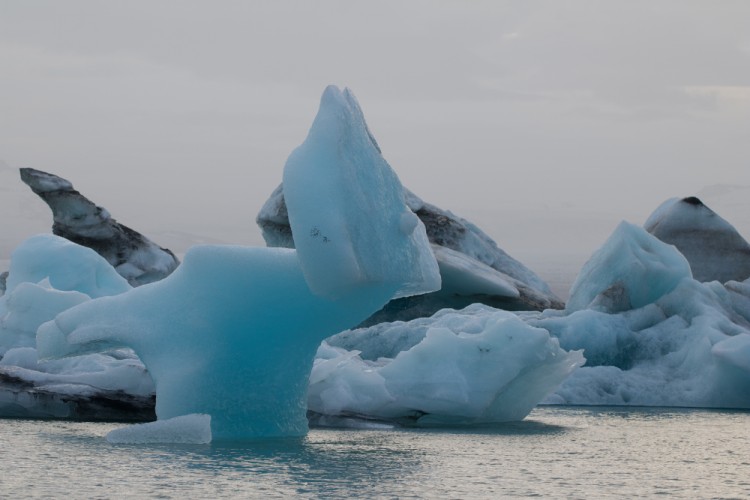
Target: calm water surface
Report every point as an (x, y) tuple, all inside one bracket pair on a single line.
[(556, 452)]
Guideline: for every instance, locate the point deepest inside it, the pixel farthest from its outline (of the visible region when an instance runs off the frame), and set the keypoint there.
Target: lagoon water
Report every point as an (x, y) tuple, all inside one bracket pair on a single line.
[(556, 452)]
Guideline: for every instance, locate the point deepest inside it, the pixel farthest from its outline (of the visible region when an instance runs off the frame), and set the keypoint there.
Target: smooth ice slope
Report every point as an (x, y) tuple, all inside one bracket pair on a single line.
[(714, 248), (347, 236), (651, 334), (232, 333), (475, 366)]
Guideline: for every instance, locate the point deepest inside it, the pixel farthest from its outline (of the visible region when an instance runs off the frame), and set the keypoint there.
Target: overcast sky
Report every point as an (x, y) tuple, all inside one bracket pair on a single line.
[(544, 122)]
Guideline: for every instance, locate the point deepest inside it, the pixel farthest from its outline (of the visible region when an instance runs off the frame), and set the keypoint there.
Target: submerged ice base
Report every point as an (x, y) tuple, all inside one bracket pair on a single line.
[(187, 429)]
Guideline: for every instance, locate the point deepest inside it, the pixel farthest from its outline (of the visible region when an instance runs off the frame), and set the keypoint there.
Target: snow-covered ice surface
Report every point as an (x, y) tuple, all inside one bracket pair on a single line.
[(712, 246), (76, 218), (232, 333)]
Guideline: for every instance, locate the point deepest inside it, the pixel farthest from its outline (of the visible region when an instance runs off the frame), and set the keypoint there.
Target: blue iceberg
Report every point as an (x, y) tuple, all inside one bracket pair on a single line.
[(232, 333)]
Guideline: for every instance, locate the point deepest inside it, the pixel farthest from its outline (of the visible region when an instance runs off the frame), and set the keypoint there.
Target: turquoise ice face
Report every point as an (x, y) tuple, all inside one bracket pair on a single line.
[(233, 332)]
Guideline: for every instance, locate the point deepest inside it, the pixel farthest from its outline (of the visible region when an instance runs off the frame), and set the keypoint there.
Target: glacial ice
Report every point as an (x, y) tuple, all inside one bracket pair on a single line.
[(475, 366), (468, 259), (349, 219), (714, 248), (48, 275), (65, 265), (232, 333), (77, 219), (631, 270), (651, 334)]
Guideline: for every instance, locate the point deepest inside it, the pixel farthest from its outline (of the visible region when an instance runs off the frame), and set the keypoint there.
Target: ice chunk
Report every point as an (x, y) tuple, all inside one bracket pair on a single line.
[(346, 236), (463, 275), (475, 367), (658, 338), (232, 333), (632, 269), (463, 251), (102, 386), (468, 258), (49, 275), (25, 308), (77, 219), (187, 429), (714, 248), (235, 345), (65, 265)]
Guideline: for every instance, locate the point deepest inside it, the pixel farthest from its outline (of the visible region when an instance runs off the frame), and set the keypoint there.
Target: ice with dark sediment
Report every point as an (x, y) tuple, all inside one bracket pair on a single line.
[(712, 246), (473, 268), (76, 218)]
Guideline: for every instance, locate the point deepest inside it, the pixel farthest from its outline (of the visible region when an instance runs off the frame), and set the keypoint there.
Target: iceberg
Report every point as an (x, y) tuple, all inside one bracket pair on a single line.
[(651, 334), (76, 218), (232, 333), (48, 275), (349, 219), (472, 267), (471, 367), (631, 270), (712, 246)]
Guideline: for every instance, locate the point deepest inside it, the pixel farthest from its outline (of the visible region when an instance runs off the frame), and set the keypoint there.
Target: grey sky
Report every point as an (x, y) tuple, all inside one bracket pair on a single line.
[(544, 122)]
